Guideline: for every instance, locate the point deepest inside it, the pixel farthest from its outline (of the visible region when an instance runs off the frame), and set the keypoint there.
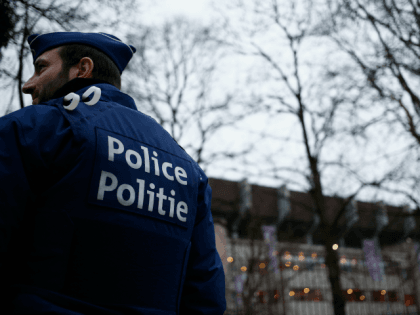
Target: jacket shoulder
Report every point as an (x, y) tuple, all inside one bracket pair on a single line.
[(42, 113)]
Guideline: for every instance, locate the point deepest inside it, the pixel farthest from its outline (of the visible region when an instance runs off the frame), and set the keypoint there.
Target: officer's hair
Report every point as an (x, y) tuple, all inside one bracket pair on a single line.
[(103, 67)]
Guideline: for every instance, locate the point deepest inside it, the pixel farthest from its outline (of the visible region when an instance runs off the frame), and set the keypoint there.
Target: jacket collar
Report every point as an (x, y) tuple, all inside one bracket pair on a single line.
[(110, 92), (76, 85)]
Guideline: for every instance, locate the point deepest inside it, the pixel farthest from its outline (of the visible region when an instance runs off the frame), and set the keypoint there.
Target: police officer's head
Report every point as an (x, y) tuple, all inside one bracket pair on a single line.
[(62, 57)]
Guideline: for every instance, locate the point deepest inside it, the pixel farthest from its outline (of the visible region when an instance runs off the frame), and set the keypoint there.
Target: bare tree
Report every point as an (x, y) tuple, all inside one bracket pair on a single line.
[(322, 106), (391, 48), (382, 40), (176, 80), (8, 19)]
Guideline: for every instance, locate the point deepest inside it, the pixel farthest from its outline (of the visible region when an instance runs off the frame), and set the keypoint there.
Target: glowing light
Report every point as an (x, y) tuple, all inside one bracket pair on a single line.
[(243, 268), (295, 267), (335, 247), (301, 258), (288, 264), (349, 291), (383, 292), (288, 257), (306, 290), (262, 265), (362, 297), (314, 255), (343, 260), (230, 259), (301, 254), (291, 293)]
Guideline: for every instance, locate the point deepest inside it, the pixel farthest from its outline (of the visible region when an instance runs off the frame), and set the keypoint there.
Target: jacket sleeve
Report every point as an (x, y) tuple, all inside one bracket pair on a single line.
[(30, 139), (15, 192), (204, 286)]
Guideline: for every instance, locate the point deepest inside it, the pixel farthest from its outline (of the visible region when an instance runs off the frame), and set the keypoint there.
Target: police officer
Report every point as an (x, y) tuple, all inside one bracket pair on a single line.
[(101, 211)]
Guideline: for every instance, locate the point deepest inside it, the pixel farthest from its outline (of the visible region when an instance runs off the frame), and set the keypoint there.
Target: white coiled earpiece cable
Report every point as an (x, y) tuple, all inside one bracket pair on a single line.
[(75, 98), (95, 98)]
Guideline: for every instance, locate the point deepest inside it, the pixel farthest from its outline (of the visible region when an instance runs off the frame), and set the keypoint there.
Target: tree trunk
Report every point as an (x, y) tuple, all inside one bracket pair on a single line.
[(334, 276), (330, 232)]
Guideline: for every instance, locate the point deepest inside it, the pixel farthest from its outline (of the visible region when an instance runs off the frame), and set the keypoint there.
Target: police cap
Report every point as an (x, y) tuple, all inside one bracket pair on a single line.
[(119, 52)]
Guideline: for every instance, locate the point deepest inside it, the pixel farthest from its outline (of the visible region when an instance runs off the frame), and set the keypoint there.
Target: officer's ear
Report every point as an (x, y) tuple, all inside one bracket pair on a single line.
[(85, 68)]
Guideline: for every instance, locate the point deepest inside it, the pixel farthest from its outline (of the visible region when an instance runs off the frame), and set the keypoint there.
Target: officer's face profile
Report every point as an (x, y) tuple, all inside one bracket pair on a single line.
[(49, 76)]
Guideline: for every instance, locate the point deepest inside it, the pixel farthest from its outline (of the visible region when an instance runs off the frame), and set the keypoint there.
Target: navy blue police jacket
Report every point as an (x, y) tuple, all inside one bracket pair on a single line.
[(102, 212)]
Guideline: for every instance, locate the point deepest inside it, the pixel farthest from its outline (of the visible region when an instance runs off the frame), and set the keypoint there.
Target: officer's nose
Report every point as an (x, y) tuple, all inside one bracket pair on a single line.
[(28, 87)]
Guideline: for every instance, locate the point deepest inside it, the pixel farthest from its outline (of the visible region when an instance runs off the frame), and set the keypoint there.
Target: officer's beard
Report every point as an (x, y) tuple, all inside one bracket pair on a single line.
[(54, 85)]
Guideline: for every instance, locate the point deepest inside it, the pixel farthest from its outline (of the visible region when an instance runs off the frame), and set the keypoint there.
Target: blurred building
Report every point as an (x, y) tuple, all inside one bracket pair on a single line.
[(270, 242)]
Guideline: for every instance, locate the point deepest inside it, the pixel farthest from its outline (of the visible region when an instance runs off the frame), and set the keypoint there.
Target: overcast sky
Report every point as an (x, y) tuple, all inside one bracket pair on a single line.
[(157, 11)]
